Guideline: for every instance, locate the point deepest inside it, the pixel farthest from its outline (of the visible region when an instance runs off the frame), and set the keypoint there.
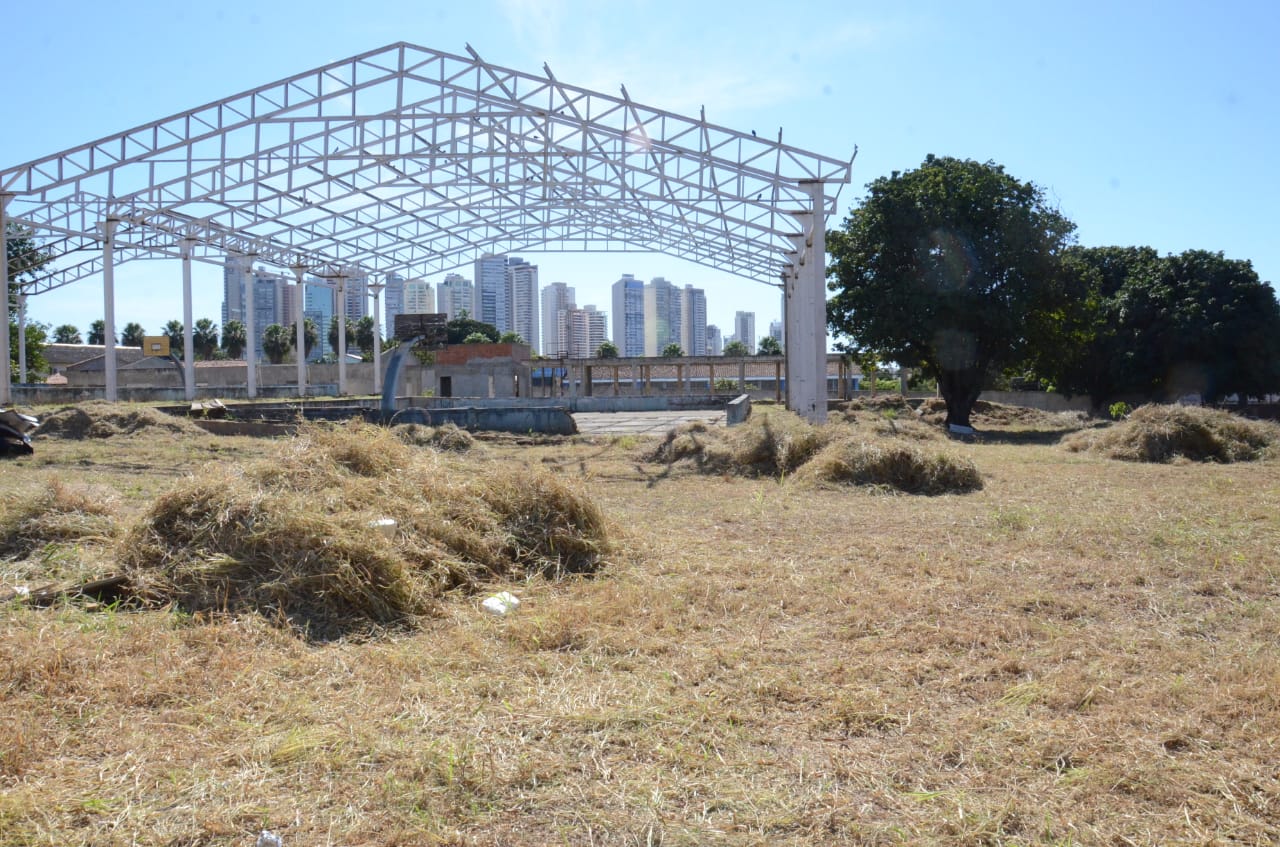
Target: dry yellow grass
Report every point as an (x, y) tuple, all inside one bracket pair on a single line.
[(1077, 654)]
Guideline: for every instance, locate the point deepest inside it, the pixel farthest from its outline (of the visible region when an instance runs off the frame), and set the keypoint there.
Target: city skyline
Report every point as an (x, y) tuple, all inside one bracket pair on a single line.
[(1095, 102)]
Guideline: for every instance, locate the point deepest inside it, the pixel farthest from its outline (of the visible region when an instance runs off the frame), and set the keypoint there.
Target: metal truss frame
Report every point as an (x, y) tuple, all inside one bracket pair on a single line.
[(414, 161)]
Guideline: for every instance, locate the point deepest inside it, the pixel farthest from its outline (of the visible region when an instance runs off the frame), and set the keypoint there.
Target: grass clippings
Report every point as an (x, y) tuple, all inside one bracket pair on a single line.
[(862, 448), (293, 537), (1164, 433), (99, 419), (893, 465), (448, 436), (986, 414), (62, 514)]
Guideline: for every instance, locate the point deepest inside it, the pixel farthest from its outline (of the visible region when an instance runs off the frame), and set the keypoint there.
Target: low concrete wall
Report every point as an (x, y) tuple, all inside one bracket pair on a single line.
[(1042, 400), (738, 410), (545, 420)]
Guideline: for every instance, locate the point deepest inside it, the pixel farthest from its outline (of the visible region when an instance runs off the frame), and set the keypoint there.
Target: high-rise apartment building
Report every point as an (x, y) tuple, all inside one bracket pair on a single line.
[(715, 341), (522, 282), (557, 301), (775, 331), (662, 316), (392, 301), (454, 295), (317, 304), (418, 299), (693, 321), (744, 329), (586, 330), (490, 297), (628, 316)]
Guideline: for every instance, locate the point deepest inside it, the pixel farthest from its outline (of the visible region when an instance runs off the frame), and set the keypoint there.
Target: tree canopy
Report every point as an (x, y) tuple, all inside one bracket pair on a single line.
[(132, 335), (205, 339), (234, 339), (350, 335), (365, 337), (277, 341), (67, 334), (463, 325), (1155, 328), (511, 338), (736, 348), (672, 351), (949, 268), (98, 332), (769, 346), (607, 350)]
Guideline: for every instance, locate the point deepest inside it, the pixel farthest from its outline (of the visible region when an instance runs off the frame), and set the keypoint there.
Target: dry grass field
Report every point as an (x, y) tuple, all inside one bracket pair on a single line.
[(1083, 651)]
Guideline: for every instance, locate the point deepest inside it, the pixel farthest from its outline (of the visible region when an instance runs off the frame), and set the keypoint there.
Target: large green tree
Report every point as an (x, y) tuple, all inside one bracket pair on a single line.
[(672, 351), (1158, 328), (607, 350), (464, 325), (769, 346), (736, 348), (24, 260), (175, 331), (350, 334), (365, 337), (949, 268)]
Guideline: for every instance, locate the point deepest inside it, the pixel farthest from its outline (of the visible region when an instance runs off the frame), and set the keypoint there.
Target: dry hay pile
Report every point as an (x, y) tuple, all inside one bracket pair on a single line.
[(292, 536), (448, 436), (892, 466), (1156, 433), (61, 514), (770, 443), (103, 420), (779, 443), (878, 403)]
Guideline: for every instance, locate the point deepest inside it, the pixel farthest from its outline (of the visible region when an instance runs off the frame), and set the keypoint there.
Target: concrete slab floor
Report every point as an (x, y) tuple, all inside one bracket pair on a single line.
[(642, 423)]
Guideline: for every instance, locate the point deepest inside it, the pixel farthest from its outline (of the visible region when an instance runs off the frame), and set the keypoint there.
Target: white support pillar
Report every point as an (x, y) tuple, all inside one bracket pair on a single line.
[(376, 288), (188, 327), (806, 313), (250, 332), (340, 309), (109, 306), (300, 342), (22, 337), (6, 387), (817, 285)]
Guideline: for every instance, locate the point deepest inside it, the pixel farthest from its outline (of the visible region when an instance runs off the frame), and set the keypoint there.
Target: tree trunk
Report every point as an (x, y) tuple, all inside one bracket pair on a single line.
[(960, 390)]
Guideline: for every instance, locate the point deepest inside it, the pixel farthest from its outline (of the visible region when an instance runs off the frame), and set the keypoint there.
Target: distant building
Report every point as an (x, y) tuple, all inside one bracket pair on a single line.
[(586, 331), (418, 299), (744, 329), (317, 304), (392, 300), (628, 316), (454, 295), (662, 316), (557, 301), (693, 321), (490, 297), (776, 332), (522, 294), (715, 342)]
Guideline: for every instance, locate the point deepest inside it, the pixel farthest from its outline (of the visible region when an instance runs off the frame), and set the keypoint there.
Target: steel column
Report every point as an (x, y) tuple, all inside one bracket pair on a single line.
[(300, 343), (250, 349), (6, 388), (109, 307), (188, 327), (376, 288), (340, 310), (22, 337)]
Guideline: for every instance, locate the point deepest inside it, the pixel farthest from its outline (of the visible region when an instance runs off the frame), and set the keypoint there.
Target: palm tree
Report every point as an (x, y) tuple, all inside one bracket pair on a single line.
[(310, 336), (277, 341), (769, 346), (98, 332), (67, 334), (333, 335), (736, 348), (132, 335), (174, 330), (233, 339), (672, 351), (205, 339), (364, 336)]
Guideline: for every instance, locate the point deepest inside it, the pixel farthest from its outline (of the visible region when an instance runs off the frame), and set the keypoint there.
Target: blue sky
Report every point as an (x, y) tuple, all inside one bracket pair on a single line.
[(1146, 123)]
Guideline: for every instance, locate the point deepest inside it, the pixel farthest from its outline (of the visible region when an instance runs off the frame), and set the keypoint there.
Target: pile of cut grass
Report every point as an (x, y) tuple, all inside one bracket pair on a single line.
[(100, 419), (778, 443), (293, 536), (1161, 433), (448, 436), (892, 465), (62, 514), (771, 443)]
